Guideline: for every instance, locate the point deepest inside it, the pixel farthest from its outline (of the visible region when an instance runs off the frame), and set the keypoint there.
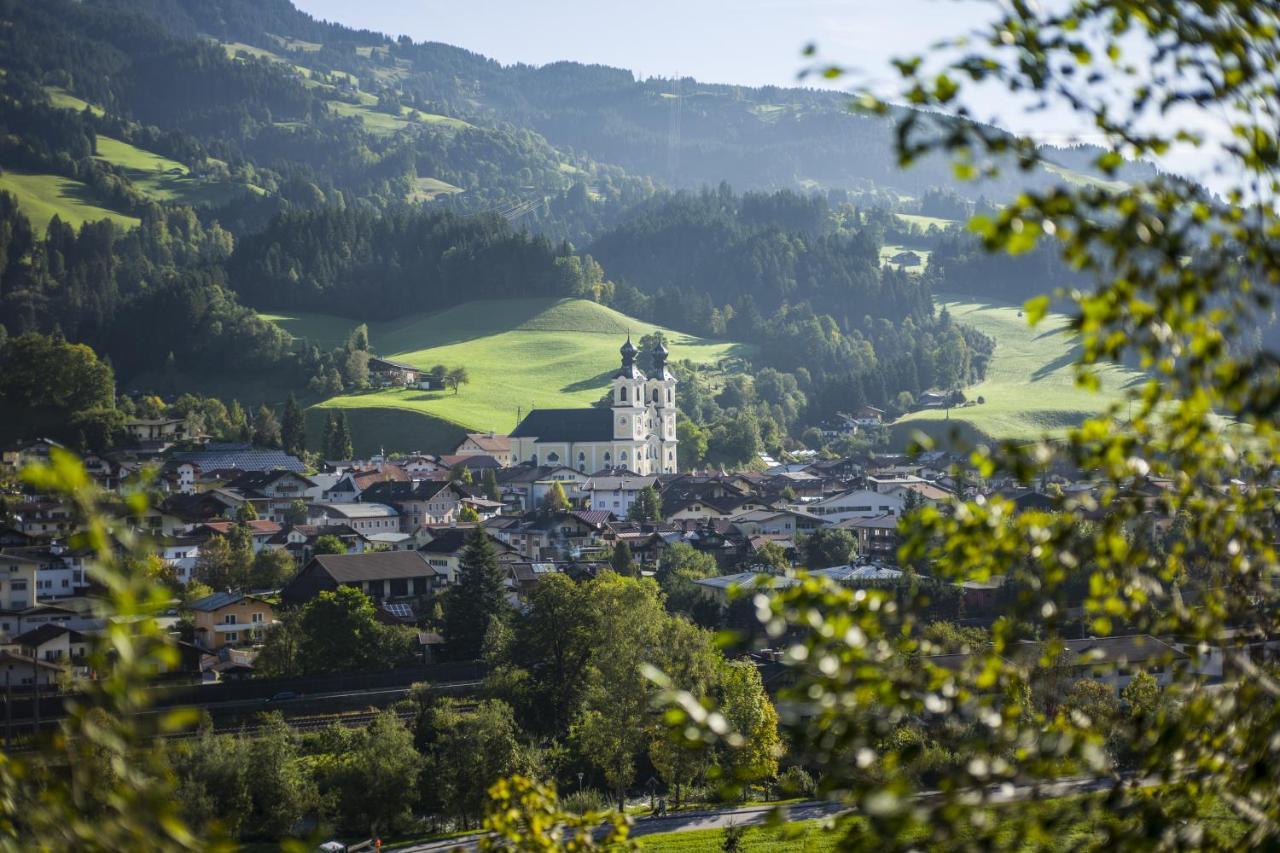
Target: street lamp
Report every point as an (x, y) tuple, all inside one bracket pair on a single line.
[(579, 781)]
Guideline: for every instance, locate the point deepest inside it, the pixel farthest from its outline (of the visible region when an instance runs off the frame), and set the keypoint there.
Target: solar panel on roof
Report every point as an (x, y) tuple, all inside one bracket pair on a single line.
[(399, 609)]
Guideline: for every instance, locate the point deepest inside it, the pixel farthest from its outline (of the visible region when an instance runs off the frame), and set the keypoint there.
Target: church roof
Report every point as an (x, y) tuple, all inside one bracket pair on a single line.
[(567, 425)]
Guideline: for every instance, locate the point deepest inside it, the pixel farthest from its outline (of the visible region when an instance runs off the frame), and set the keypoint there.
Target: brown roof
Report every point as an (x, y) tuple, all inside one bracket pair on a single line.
[(491, 443), (258, 527), (381, 565), (365, 479)]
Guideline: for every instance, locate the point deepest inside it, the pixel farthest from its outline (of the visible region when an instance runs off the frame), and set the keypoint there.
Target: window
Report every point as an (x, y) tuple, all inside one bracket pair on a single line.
[(229, 619), (553, 457), (668, 395), (233, 636), (622, 393), (256, 618), (655, 395), (18, 586)]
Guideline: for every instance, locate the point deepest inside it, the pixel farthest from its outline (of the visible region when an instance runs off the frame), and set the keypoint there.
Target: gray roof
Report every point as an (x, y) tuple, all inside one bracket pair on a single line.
[(609, 484), (240, 456), (380, 565), (217, 601), (567, 425)]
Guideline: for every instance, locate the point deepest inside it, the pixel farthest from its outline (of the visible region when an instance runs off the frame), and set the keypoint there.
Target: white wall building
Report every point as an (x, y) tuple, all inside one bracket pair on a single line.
[(638, 433)]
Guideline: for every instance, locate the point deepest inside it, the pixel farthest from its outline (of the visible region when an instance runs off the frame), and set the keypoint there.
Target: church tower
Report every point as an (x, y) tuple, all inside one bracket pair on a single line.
[(661, 404), (629, 412)]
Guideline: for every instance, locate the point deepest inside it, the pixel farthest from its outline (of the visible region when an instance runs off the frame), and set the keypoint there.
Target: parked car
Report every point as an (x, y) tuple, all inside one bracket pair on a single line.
[(282, 696)]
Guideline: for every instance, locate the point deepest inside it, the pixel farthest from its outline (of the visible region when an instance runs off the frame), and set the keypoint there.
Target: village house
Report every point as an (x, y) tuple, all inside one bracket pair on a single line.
[(352, 483), (524, 486), (363, 518), (443, 552), (26, 453), (859, 503), (422, 503), (239, 456), (1116, 660), (20, 671), (486, 444), (877, 537), (60, 572), (273, 493), (17, 582), (229, 619), (776, 522), (156, 430), (180, 553), (53, 643), (637, 433), (616, 494), (382, 574), (384, 371), (260, 531), (41, 519)]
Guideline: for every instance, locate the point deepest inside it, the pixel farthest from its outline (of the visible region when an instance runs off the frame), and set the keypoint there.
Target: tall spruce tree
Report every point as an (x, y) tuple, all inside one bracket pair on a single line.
[(622, 562), (491, 490), (340, 446), (326, 441), (293, 430), (479, 597)]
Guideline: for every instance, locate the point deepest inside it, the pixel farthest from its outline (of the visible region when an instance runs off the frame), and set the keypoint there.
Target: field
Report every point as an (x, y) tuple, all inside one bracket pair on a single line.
[(520, 353), (924, 222), (1030, 388), (40, 197)]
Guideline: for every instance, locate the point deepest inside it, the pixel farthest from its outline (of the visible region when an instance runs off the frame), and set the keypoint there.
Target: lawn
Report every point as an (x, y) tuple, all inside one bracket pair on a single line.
[(387, 124), (426, 189), (1030, 388), (520, 353), (924, 222), (41, 197), (63, 99)]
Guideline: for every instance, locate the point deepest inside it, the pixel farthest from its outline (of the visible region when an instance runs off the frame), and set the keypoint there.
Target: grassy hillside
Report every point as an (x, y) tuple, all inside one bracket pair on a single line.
[(42, 196), (1030, 387), (520, 354)]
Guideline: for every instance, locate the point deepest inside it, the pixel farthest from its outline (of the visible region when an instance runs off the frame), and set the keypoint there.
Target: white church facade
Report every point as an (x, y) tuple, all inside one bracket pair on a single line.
[(636, 433)]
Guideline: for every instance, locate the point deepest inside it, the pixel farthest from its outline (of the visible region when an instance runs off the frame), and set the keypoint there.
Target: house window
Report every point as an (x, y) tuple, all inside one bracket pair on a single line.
[(229, 619), (233, 636), (18, 586), (256, 618)]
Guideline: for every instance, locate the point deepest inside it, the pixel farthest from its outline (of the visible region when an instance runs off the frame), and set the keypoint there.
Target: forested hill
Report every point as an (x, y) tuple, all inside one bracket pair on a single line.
[(681, 132)]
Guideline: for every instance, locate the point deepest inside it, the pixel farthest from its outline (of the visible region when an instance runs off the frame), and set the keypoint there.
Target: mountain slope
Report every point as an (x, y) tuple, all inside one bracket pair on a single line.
[(520, 354)]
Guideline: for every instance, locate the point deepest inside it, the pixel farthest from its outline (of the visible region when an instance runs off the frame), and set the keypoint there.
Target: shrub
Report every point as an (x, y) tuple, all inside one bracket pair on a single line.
[(586, 800)]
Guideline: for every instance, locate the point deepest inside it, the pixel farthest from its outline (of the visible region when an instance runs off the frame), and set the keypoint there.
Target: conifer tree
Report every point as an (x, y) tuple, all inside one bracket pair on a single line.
[(622, 561), (491, 490), (479, 597), (293, 430)]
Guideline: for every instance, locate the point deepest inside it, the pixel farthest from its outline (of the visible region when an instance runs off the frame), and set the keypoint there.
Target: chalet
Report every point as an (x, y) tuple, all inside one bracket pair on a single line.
[(43, 519), (486, 444), (383, 574), (26, 453), (777, 522), (156, 430), (868, 416), (260, 531), (859, 503), (53, 643), (273, 493), (180, 553), (616, 493), (422, 503), (525, 486), (1115, 660), (877, 537), (20, 671), (444, 551), (17, 582), (300, 539), (383, 371), (352, 483), (60, 573), (230, 618), (363, 518), (560, 534)]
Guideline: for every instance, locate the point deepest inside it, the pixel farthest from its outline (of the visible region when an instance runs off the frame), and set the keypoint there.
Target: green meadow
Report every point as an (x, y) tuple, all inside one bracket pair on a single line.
[(41, 197), (520, 354), (1030, 389)]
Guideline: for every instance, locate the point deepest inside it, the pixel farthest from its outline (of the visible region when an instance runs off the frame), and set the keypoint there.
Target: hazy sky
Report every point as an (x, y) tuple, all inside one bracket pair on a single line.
[(751, 42)]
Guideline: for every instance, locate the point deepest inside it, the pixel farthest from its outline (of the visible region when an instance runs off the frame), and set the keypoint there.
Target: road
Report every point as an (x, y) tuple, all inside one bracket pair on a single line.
[(811, 810)]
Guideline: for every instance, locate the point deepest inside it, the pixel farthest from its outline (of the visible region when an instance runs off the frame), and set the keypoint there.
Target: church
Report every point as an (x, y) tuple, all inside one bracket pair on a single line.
[(636, 433)]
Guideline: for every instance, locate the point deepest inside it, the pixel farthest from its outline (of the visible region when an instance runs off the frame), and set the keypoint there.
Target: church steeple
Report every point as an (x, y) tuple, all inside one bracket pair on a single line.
[(660, 360), (628, 369)]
